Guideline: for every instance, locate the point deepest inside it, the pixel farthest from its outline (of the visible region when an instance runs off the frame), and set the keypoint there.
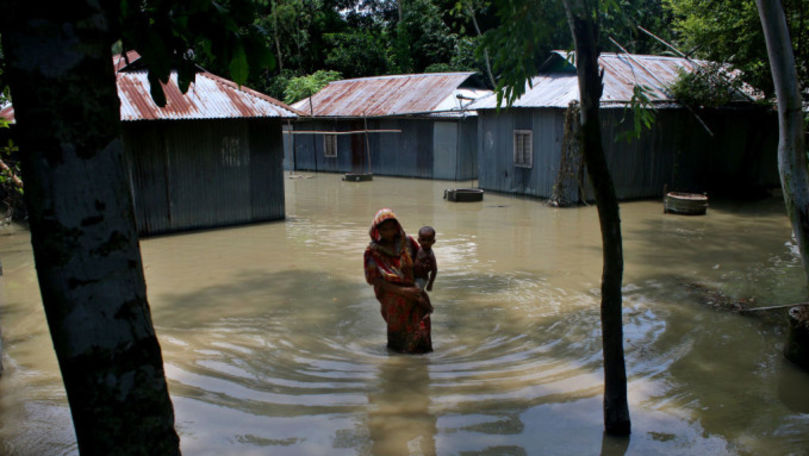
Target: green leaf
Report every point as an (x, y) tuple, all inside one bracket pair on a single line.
[(259, 55), (186, 75), (239, 68), (156, 89), (157, 56)]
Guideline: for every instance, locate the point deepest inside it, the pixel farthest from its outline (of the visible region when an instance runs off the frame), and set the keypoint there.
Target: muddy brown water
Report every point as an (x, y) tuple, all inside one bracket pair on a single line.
[(273, 343)]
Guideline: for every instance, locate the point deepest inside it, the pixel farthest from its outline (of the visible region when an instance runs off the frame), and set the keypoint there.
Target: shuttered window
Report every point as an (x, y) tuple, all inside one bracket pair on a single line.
[(522, 148), (329, 145)]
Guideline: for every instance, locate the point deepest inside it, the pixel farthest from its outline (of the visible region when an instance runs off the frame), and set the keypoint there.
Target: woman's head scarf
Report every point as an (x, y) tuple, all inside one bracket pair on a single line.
[(383, 215)]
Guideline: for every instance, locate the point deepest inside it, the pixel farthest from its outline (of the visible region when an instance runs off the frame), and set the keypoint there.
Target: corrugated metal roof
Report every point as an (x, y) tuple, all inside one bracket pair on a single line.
[(208, 97), (7, 112), (622, 72), (391, 95)]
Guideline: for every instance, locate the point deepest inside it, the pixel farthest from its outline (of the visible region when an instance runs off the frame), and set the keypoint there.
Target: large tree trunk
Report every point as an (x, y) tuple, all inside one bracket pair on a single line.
[(59, 69), (584, 30), (792, 162)]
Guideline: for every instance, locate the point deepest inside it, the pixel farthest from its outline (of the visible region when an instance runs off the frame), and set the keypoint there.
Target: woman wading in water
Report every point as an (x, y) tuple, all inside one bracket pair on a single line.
[(389, 268)]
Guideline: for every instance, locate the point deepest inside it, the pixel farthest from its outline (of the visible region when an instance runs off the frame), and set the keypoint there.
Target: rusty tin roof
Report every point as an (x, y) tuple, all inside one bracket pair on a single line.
[(7, 112), (622, 72), (208, 97), (439, 94)]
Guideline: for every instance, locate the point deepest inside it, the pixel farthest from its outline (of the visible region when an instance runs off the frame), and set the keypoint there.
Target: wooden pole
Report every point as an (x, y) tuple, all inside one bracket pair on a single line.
[(367, 143)]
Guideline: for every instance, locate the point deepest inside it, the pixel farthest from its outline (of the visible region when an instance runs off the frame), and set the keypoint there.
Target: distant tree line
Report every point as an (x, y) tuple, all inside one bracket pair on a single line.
[(356, 38)]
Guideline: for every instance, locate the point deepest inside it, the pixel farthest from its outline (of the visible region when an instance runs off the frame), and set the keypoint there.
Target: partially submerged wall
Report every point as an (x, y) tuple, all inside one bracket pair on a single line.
[(196, 174), (738, 160)]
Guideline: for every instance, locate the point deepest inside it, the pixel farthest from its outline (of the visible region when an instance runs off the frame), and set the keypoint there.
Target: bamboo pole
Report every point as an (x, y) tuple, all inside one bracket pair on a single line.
[(662, 85), (783, 306)]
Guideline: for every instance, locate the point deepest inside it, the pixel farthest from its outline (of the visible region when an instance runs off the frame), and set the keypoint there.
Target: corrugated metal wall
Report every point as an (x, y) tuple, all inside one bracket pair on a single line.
[(496, 142), (309, 149), (677, 152), (445, 150), (287, 146), (420, 150), (468, 149), (738, 160), (204, 173), (266, 174)]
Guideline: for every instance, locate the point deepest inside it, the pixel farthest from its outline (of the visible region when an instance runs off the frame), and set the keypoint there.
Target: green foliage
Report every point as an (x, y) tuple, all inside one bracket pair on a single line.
[(11, 188), (709, 86), (729, 31), (529, 30), (422, 38), (301, 87), (177, 35), (439, 68), (469, 55), (620, 18), (8, 176), (274, 86), (357, 53), (643, 113)]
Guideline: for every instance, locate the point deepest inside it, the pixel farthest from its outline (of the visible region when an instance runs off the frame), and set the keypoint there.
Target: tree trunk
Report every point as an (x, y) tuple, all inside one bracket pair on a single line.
[(792, 162), (59, 69), (274, 6), (471, 14), (584, 30)]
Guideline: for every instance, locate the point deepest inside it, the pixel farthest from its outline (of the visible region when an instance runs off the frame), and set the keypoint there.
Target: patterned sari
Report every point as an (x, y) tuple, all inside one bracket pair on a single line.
[(408, 321)]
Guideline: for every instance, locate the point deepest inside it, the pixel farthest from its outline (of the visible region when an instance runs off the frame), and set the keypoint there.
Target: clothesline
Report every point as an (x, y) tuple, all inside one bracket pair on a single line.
[(324, 132)]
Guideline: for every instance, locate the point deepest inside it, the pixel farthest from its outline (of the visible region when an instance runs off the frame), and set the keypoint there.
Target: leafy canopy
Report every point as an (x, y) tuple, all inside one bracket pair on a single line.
[(301, 87), (729, 31), (177, 35)]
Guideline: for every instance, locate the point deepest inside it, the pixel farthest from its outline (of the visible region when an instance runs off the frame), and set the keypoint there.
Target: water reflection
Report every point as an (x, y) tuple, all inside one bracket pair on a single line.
[(274, 344), (614, 446), (399, 418)]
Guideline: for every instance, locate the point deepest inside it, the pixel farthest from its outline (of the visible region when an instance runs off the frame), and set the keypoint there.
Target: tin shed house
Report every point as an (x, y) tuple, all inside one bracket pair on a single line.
[(531, 147), (211, 157), (413, 125)]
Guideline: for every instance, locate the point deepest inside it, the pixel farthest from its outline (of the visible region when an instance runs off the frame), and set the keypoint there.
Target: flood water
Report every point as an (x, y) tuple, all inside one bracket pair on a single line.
[(274, 344)]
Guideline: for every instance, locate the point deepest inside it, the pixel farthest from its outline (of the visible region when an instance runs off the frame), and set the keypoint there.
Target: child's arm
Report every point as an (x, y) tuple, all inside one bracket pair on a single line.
[(433, 273)]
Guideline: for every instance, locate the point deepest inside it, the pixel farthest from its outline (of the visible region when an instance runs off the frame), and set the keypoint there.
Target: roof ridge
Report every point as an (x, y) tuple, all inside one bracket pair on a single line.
[(406, 75), (249, 91)]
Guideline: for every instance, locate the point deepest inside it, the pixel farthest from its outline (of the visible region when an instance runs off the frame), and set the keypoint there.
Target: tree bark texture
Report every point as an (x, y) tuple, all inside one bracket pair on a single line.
[(584, 30), (59, 69), (792, 162)]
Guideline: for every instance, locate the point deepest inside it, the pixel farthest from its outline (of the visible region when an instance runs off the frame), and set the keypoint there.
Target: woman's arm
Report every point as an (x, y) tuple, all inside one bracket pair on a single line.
[(407, 292)]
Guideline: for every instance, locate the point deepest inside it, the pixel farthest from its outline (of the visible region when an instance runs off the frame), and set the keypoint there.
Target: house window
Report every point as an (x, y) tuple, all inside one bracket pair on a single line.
[(231, 152), (330, 145), (522, 149)]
